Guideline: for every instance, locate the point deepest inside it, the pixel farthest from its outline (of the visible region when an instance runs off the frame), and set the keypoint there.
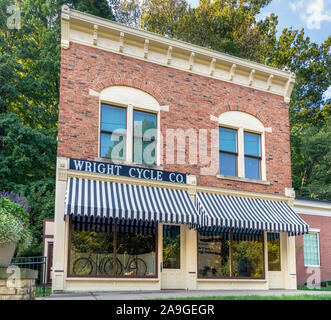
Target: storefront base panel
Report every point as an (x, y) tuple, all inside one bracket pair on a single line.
[(232, 285), (112, 285), (137, 285)]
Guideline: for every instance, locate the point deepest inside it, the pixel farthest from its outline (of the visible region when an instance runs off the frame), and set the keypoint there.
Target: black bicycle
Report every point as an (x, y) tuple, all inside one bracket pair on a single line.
[(134, 266)]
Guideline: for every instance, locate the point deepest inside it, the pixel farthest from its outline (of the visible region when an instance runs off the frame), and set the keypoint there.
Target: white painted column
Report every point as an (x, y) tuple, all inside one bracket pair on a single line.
[(241, 153), (191, 253), (59, 259), (292, 277)]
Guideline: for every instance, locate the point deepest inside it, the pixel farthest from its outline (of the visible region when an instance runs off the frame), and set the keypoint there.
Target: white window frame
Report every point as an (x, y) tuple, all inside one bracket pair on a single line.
[(133, 100), (317, 232), (244, 122)]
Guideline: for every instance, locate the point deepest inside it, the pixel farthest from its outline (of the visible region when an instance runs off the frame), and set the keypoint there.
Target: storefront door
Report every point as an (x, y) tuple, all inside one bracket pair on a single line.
[(172, 257), (275, 274)]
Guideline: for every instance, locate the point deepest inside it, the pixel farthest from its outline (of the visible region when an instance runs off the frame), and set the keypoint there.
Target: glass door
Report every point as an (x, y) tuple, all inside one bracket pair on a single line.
[(171, 266)]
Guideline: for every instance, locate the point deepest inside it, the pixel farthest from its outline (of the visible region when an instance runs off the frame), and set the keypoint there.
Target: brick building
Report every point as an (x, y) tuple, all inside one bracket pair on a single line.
[(313, 250), (173, 167)]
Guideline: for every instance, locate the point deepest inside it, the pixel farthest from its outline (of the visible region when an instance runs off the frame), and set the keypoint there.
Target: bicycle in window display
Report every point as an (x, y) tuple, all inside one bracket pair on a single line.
[(133, 266)]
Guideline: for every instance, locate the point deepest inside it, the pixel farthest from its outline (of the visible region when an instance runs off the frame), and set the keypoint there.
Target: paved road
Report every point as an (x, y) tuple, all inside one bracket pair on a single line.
[(164, 294)]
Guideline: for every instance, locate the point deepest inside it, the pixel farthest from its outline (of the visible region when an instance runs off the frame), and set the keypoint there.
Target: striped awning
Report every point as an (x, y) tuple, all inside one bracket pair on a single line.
[(108, 200), (248, 214)]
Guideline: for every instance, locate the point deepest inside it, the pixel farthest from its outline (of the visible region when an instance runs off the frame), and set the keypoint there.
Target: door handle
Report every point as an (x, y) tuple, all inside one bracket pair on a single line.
[(161, 266)]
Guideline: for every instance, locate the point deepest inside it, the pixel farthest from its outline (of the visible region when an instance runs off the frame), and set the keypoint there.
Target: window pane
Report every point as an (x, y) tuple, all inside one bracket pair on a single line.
[(247, 258), (274, 255), (171, 247), (112, 146), (143, 151), (252, 144), (252, 168), (136, 255), (228, 140), (213, 256), (113, 118), (91, 253), (310, 249), (228, 164), (142, 122)]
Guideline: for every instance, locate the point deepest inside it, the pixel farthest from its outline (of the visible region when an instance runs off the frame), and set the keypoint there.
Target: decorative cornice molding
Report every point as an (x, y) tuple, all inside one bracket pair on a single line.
[(191, 188), (313, 208), (111, 36)]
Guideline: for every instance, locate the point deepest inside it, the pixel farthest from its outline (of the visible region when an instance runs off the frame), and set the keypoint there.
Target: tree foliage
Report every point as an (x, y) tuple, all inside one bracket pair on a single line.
[(29, 97)]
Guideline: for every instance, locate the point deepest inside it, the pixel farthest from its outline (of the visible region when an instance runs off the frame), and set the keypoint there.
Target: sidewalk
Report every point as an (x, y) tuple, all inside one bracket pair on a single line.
[(164, 294)]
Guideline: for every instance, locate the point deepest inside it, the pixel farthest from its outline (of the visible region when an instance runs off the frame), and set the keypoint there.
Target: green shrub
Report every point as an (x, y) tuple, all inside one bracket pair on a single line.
[(14, 221)]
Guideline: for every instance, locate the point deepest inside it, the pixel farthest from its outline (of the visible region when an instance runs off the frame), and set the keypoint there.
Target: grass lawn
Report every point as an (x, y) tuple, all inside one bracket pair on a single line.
[(39, 291), (256, 297), (315, 289)]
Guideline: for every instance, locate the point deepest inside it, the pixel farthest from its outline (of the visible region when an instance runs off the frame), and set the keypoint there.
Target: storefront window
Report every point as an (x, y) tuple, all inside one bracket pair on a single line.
[(171, 247), (91, 253), (135, 254), (247, 258), (213, 256), (228, 255), (274, 254), (101, 253)]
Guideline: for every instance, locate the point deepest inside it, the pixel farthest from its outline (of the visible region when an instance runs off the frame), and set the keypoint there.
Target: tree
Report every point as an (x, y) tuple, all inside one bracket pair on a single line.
[(127, 11), (29, 97)]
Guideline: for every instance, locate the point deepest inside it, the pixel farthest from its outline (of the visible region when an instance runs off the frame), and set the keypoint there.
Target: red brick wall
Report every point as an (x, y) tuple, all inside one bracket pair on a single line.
[(324, 224), (191, 98)]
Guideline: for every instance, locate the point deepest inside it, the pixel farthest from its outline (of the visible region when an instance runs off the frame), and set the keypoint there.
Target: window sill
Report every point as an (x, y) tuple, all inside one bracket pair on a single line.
[(312, 266), (247, 180), (110, 279), (231, 280), (127, 163)]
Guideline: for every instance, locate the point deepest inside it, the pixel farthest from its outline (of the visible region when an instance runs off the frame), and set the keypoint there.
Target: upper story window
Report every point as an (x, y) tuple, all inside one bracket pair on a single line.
[(252, 155), (241, 146), (113, 132), (228, 151), (129, 126), (144, 142)]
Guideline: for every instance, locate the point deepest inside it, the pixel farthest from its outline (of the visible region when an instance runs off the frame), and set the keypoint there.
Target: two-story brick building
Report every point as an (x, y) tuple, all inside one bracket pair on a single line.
[(173, 167)]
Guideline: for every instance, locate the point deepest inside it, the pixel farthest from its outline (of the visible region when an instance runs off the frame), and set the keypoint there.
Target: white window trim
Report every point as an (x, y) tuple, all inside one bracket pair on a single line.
[(244, 122), (313, 231), (141, 102)]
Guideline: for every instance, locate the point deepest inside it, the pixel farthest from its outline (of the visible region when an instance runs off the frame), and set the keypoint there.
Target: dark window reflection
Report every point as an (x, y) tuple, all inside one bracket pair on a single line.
[(247, 258), (93, 254), (274, 255), (171, 247), (213, 256)]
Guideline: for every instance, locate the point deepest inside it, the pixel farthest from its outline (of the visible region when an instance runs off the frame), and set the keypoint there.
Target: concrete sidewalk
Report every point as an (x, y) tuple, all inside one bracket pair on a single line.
[(164, 294)]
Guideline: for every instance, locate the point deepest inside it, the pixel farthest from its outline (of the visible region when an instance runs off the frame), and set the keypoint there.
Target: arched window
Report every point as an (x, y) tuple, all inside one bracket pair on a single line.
[(241, 146), (129, 126)]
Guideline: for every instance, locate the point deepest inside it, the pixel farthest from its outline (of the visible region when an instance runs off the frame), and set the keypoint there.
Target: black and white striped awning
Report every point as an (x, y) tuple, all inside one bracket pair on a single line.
[(109, 200), (248, 214)]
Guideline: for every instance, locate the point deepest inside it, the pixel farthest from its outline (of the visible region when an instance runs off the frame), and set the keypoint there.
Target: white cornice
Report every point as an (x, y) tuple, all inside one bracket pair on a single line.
[(111, 36), (314, 208)]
